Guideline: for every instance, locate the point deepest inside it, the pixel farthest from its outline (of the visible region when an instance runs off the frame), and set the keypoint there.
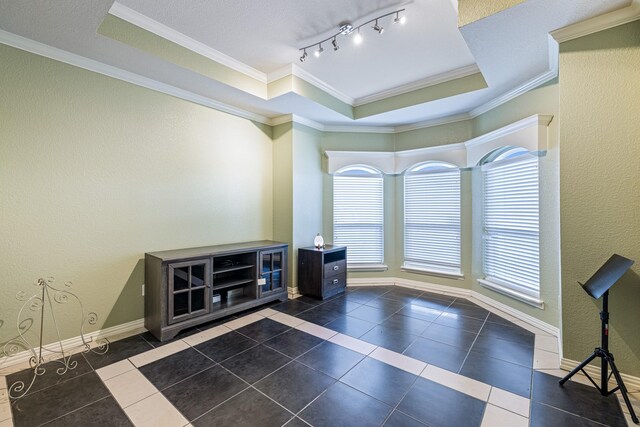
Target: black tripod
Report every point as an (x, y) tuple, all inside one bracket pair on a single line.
[(607, 360)]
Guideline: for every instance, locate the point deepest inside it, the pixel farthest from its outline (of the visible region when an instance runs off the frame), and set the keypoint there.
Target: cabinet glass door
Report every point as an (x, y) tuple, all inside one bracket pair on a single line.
[(272, 271), (189, 289)]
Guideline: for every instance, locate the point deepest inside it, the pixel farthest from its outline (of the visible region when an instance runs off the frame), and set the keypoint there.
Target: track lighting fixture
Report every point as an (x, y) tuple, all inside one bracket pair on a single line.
[(347, 28), (378, 28)]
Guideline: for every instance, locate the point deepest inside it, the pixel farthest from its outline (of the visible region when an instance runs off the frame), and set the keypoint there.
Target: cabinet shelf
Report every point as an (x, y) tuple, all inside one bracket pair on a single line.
[(232, 268), (226, 284), (231, 302)]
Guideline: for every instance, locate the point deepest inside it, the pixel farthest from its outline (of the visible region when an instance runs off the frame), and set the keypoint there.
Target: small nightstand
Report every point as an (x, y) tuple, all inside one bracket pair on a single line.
[(322, 273)]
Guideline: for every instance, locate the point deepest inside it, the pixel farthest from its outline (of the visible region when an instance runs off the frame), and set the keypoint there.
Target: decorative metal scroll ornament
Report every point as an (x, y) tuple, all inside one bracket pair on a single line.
[(47, 296)]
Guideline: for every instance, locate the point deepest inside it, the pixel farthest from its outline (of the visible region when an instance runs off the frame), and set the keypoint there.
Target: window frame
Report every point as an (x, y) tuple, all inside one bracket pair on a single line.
[(365, 172), (517, 230), (413, 261)]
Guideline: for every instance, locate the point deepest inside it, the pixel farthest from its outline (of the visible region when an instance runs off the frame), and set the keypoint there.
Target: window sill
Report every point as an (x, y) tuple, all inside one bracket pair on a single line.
[(449, 274), (367, 267), (535, 302)]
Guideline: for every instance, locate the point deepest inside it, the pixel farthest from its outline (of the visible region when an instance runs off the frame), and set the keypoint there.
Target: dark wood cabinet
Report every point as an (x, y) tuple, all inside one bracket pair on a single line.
[(322, 273), (187, 287)]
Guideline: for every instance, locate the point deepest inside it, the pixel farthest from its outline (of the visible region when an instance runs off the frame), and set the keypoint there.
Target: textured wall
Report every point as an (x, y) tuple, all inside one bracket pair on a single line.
[(95, 172), (600, 186), (473, 10)]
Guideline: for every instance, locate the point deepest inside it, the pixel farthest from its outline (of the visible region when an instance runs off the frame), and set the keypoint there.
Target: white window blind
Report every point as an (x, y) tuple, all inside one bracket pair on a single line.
[(358, 214), (511, 248), (432, 218)]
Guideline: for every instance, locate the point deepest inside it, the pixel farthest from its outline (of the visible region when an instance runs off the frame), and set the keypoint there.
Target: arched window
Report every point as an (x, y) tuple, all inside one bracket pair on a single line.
[(510, 211), (432, 218), (358, 214)]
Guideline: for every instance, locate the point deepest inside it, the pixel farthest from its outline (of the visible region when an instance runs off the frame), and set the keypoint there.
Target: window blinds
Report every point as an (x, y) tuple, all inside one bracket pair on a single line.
[(432, 220), (511, 250), (358, 213)]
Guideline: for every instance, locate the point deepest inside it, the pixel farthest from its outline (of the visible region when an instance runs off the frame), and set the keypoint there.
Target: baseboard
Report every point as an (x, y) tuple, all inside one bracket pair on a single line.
[(20, 360), (537, 323), (632, 383), (293, 292), (458, 292)]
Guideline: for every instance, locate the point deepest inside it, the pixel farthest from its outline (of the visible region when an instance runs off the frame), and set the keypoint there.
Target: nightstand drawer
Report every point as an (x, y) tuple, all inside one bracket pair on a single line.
[(339, 281), (333, 268)]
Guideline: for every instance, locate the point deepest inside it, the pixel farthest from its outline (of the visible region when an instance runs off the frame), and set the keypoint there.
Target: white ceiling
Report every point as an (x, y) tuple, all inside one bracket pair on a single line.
[(428, 44), (510, 48)]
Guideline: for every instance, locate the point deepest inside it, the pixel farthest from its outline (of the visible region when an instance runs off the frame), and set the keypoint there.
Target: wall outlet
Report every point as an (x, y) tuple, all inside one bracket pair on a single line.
[(142, 289)]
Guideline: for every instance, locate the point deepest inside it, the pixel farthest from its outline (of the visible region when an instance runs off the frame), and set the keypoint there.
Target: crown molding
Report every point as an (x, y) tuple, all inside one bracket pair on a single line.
[(535, 120), (598, 23), (359, 129), (434, 122), (281, 73), (419, 84), (311, 79), (76, 60), (287, 118), (143, 21), (514, 93)]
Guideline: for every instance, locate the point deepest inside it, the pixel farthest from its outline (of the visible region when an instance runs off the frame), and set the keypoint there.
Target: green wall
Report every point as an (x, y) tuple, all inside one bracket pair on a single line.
[(95, 172), (600, 186)]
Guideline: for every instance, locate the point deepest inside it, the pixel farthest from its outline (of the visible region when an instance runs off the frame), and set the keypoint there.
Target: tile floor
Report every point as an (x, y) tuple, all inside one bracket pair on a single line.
[(374, 356)]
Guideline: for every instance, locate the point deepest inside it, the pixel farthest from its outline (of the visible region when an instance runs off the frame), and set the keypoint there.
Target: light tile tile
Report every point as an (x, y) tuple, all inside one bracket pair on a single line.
[(207, 335), (354, 344), (115, 369), (547, 343), (155, 411), (147, 357), (5, 406), (3, 382), (130, 387), (509, 401), (267, 312), (498, 417), (545, 359), (465, 385), (398, 360), (243, 321), (6, 423), (287, 319), (318, 331)]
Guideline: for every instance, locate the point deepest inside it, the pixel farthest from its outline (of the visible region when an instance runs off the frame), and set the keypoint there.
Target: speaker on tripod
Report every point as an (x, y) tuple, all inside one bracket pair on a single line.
[(598, 286)]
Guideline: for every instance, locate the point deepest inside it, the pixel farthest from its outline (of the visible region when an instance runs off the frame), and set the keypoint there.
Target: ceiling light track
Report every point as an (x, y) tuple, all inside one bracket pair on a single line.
[(346, 28)]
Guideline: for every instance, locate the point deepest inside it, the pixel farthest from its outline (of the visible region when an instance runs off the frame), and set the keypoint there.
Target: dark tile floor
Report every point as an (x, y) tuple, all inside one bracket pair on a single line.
[(268, 374), (450, 333)]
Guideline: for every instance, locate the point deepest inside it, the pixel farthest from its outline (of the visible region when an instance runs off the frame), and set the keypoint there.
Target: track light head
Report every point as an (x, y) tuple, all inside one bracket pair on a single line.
[(319, 51), (304, 56), (357, 39), (399, 19), (378, 28), (335, 44)]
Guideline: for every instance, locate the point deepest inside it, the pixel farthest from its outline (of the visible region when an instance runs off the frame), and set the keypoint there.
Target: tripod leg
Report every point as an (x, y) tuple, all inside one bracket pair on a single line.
[(579, 368), (623, 389)]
